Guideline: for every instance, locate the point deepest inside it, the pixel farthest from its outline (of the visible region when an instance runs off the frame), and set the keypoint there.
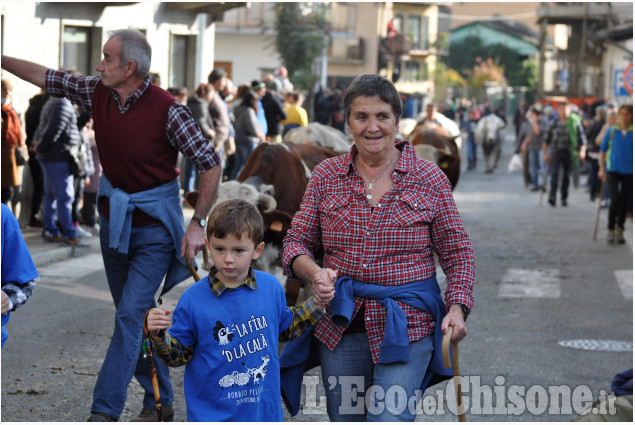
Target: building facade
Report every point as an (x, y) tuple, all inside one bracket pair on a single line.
[(71, 36)]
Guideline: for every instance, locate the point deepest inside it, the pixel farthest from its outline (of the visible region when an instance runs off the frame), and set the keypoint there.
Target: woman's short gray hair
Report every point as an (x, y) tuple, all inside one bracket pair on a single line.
[(371, 85), (134, 47)]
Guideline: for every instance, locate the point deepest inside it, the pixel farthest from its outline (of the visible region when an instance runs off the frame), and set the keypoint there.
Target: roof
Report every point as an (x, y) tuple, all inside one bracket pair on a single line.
[(507, 26)]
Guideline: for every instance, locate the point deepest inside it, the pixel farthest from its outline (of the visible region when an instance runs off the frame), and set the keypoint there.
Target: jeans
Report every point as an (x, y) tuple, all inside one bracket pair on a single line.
[(535, 165), (348, 372), (471, 151), (190, 176), (58, 198), (244, 147), (134, 279), (621, 189)]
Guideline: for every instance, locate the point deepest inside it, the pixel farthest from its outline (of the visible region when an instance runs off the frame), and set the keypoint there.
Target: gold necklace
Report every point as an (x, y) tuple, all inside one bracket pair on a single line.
[(371, 185)]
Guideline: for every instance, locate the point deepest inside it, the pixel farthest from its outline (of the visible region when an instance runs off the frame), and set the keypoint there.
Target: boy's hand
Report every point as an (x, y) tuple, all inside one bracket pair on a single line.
[(157, 322), (323, 287), (5, 302)]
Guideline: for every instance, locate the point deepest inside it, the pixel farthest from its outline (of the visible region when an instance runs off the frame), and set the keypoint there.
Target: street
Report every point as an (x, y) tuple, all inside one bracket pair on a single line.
[(553, 309)]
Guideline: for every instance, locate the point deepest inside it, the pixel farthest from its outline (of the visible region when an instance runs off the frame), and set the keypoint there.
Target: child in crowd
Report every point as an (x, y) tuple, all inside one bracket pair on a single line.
[(226, 326)]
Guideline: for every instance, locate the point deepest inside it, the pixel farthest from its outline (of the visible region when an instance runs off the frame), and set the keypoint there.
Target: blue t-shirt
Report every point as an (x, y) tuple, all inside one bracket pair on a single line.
[(17, 264), (234, 374), (619, 151)]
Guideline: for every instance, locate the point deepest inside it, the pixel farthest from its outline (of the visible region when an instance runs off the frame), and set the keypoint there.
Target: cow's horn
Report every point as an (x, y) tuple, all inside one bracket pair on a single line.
[(266, 203)]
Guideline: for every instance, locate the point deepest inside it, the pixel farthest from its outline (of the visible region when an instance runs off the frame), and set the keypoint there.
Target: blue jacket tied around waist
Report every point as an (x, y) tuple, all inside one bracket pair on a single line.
[(162, 203), (300, 355)]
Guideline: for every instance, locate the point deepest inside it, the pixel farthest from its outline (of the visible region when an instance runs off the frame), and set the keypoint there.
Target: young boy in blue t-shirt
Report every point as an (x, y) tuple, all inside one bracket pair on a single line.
[(226, 327)]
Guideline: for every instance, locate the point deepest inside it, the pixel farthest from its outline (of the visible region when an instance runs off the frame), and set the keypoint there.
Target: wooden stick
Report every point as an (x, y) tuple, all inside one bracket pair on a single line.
[(445, 349), (155, 381)]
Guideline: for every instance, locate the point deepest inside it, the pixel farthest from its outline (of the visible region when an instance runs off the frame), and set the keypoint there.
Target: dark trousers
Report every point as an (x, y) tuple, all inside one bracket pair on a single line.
[(621, 190), (89, 209), (78, 186), (594, 180), (559, 158), (7, 194)]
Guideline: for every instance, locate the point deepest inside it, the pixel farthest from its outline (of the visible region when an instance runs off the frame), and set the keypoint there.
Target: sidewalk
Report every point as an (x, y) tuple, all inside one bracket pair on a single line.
[(44, 253)]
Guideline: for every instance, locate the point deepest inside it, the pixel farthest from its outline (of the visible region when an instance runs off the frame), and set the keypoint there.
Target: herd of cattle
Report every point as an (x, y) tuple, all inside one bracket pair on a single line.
[(276, 176)]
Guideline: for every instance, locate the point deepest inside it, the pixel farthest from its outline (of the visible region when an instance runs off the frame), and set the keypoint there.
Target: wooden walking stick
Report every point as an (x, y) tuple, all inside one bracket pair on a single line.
[(597, 216), (445, 350), (147, 353)]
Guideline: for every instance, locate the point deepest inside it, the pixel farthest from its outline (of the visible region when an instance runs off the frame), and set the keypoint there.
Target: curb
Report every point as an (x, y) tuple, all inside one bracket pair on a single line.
[(62, 253)]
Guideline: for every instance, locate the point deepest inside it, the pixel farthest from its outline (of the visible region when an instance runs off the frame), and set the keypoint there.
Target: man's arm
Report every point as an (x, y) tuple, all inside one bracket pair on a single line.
[(28, 71), (195, 236)]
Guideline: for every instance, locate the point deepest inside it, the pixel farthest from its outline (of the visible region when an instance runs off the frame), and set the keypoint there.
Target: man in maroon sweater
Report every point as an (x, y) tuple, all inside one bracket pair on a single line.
[(139, 130)]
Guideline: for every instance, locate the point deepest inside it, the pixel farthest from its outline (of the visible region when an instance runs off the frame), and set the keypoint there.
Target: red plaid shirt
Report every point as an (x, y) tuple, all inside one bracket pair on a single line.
[(182, 131), (392, 245)]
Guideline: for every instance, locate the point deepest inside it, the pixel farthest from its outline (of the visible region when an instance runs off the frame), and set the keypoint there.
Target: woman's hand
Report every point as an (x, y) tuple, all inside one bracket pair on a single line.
[(323, 286), (455, 319)]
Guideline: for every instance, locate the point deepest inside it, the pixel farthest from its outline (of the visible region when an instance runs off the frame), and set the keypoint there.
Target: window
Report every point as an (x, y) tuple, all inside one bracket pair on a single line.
[(182, 61), (414, 30), (412, 71), (398, 22), (76, 49), (425, 33)]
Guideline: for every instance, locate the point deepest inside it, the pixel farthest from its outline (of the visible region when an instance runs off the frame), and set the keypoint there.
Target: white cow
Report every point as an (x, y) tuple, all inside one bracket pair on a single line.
[(262, 196), (487, 134), (320, 135)]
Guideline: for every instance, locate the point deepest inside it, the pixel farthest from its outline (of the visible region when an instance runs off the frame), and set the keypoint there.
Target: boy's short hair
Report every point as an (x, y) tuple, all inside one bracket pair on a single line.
[(237, 217)]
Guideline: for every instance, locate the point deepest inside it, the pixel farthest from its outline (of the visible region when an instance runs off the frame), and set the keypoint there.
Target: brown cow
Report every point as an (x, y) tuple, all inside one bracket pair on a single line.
[(439, 147)]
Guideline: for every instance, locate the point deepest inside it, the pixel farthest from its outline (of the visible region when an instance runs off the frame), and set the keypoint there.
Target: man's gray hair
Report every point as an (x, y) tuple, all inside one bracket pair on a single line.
[(134, 47)]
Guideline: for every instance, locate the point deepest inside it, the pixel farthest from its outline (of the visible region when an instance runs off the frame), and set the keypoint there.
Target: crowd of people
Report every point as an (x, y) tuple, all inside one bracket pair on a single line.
[(238, 118), (559, 143), (63, 164), (569, 142)]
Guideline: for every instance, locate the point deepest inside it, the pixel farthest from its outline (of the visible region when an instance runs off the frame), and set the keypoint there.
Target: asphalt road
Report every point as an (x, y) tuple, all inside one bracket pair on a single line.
[(552, 323)]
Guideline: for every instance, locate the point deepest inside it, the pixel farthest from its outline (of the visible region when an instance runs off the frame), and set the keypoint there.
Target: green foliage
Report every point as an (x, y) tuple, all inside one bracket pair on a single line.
[(471, 52), (445, 78), (300, 38)]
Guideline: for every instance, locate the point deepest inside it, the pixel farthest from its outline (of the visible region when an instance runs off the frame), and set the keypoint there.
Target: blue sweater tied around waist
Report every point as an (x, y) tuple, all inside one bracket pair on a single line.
[(162, 203), (301, 354)]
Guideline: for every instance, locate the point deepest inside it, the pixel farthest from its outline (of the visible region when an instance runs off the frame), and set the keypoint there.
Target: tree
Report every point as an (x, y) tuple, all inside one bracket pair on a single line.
[(445, 78), (471, 57), (301, 34)]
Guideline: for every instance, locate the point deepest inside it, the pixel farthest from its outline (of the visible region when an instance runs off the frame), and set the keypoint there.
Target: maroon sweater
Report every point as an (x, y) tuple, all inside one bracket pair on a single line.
[(133, 147)]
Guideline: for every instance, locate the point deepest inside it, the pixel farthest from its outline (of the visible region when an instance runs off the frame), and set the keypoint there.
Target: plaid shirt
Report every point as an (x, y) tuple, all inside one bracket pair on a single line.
[(18, 292), (393, 244), (173, 353), (182, 131)]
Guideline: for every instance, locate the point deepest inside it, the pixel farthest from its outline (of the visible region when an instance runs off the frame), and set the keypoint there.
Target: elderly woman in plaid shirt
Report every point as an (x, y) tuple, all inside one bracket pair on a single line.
[(380, 214)]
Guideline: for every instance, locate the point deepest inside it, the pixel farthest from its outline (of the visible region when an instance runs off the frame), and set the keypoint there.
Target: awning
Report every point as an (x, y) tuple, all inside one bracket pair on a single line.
[(212, 8)]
